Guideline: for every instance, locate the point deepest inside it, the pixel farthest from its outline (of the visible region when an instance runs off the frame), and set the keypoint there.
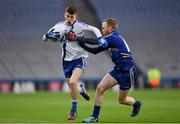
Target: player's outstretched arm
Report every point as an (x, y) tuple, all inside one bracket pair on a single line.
[(73, 37), (92, 50)]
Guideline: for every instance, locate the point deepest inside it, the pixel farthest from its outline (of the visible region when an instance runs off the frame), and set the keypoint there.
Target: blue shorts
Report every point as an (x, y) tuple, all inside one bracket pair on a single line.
[(125, 79), (69, 66)]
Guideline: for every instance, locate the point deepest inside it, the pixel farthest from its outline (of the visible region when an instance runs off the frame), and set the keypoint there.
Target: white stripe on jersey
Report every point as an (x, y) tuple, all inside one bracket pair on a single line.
[(128, 49)]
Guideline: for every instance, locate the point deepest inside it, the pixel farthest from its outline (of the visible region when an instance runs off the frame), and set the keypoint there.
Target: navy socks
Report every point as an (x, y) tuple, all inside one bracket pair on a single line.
[(96, 111)]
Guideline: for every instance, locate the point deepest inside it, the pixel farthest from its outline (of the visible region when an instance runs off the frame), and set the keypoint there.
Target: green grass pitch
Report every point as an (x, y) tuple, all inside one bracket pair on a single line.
[(159, 106)]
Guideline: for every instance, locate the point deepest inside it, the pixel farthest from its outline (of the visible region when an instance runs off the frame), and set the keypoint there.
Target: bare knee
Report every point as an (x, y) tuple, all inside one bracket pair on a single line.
[(100, 90), (72, 83)]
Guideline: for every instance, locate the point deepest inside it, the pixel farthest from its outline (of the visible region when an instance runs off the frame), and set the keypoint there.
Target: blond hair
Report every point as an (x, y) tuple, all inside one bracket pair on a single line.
[(111, 22)]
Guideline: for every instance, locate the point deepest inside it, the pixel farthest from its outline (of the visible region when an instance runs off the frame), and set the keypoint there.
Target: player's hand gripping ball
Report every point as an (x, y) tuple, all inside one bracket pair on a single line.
[(71, 36)]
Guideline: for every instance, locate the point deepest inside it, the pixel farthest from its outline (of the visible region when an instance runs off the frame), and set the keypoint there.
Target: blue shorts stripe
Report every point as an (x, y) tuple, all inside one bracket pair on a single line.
[(84, 63), (131, 75), (64, 50)]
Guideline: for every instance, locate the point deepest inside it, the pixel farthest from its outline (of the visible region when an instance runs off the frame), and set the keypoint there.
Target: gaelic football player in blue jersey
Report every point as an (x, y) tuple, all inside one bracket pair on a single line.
[(124, 72)]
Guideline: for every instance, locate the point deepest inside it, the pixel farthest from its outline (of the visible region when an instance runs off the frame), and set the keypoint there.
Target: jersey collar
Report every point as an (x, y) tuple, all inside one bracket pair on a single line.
[(114, 32), (74, 22)]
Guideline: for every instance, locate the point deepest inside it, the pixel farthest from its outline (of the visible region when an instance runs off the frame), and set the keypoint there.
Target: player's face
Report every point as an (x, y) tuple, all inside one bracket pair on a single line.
[(106, 29), (69, 19)]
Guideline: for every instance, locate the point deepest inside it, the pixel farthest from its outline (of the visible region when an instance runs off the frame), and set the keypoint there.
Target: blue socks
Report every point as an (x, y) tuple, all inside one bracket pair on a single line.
[(137, 104), (96, 111), (74, 106)]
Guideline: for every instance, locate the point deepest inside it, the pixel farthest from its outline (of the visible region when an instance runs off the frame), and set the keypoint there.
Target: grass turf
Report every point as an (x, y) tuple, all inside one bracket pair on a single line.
[(159, 106)]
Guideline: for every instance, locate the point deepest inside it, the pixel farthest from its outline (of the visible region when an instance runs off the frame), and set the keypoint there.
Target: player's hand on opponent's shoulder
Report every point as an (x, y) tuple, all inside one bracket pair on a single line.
[(52, 35), (71, 36)]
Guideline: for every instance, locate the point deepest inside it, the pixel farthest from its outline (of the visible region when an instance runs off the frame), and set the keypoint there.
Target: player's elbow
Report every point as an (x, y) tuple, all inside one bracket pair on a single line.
[(94, 53), (97, 32)]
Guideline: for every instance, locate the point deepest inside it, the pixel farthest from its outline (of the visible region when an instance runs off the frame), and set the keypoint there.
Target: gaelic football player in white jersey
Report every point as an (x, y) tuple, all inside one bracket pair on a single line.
[(73, 56)]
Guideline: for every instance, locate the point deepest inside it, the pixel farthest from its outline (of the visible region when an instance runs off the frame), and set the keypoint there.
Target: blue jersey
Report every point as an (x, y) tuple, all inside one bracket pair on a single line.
[(119, 50)]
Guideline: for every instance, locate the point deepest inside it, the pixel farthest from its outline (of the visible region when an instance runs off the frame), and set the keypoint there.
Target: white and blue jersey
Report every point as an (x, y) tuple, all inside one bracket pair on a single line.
[(72, 50), (124, 70), (72, 53)]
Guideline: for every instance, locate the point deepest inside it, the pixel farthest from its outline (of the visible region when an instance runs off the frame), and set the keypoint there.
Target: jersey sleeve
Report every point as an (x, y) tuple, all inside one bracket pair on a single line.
[(44, 36), (54, 27), (103, 41)]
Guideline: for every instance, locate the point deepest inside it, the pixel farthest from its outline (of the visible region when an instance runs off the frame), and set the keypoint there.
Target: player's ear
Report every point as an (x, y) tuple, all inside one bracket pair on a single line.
[(109, 28)]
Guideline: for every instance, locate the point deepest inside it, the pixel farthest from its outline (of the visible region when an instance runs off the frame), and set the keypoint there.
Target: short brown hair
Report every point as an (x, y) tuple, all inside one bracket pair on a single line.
[(111, 22), (71, 10)]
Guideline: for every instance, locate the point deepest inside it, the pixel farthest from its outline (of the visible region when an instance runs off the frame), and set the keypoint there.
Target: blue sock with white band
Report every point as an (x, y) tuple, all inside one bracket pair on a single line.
[(74, 105)]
